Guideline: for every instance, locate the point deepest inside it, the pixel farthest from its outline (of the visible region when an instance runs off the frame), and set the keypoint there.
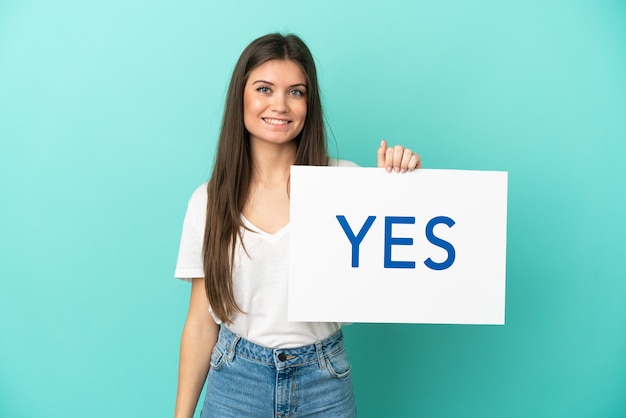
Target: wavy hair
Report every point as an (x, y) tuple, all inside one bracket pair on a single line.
[(229, 184)]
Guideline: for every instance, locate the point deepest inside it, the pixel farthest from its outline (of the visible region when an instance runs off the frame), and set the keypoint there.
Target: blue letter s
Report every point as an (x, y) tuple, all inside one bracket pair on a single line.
[(439, 243)]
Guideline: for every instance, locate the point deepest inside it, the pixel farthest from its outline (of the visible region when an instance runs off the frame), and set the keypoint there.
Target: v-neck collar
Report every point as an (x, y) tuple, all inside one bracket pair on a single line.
[(266, 235)]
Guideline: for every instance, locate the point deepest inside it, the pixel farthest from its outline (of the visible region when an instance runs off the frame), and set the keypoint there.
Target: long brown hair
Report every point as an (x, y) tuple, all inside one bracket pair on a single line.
[(230, 181)]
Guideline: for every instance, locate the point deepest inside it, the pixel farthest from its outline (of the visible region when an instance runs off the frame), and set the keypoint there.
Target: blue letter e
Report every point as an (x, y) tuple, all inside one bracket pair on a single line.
[(389, 241)]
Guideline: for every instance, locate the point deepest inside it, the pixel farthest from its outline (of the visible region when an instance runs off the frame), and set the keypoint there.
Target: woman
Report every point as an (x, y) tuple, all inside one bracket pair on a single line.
[(234, 249)]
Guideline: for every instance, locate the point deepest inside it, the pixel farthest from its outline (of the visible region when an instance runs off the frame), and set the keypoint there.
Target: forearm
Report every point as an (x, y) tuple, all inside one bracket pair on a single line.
[(195, 357)]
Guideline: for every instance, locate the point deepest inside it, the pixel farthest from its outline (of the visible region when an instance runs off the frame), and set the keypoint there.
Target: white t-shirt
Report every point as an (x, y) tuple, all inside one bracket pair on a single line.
[(260, 279)]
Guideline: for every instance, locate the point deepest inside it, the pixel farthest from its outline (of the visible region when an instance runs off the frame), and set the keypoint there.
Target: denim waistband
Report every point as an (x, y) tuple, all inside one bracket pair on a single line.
[(233, 344)]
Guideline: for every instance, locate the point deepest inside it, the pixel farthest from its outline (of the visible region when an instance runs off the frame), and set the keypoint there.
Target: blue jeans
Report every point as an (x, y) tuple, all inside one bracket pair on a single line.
[(248, 380)]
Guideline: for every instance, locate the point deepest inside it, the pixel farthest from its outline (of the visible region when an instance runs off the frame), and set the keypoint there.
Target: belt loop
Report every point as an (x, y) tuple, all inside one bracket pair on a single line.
[(320, 354), (233, 343)]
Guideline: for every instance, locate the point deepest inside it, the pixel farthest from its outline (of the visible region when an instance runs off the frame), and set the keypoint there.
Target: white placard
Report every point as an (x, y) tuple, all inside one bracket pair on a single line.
[(422, 247)]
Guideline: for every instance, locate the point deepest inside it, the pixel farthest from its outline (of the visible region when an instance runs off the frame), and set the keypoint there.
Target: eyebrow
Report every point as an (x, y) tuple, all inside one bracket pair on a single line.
[(271, 84)]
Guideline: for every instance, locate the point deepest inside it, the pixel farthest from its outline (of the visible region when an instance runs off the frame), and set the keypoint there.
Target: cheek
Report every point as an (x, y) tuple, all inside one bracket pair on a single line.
[(248, 104), (249, 110), (302, 110)]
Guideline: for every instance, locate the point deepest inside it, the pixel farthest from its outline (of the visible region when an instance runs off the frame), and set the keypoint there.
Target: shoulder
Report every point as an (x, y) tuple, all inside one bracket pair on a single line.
[(332, 162), (199, 196), (197, 203)]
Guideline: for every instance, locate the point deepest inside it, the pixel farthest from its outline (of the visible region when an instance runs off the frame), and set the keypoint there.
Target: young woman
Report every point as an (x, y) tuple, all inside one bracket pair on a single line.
[(234, 250)]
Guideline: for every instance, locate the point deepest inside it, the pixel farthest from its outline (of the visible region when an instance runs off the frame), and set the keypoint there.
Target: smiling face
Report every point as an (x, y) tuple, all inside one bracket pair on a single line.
[(275, 102)]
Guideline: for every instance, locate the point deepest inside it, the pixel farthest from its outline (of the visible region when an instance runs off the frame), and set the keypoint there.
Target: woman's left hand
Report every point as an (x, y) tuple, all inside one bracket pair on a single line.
[(398, 158)]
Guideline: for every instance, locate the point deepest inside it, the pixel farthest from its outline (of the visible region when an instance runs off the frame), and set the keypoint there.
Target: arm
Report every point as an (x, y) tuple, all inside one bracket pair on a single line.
[(199, 336), (398, 158)]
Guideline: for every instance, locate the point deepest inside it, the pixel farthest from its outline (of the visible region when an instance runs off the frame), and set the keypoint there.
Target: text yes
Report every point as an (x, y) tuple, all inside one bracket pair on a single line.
[(390, 241)]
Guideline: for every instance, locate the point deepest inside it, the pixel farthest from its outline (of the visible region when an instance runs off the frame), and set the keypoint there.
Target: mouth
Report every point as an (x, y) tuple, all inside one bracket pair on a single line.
[(276, 122)]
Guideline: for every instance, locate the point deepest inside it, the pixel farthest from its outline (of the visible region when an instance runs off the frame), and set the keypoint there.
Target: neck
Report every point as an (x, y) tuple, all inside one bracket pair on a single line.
[(272, 162)]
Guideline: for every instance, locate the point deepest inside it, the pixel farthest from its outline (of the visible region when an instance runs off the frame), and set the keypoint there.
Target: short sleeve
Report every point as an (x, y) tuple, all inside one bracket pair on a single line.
[(341, 163), (189, 264)]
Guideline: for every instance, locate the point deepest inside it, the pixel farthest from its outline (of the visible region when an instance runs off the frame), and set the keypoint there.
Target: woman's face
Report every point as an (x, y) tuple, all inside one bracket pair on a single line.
[(275, 102)]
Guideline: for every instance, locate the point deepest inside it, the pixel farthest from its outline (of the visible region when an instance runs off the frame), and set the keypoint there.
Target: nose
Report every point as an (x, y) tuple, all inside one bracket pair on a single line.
[(279, 103)]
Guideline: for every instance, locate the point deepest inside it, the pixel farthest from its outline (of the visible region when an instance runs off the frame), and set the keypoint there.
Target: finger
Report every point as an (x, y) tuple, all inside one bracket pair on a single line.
[(398, 151), (389, 160), (380, 153), (406, 160), (416, 161)]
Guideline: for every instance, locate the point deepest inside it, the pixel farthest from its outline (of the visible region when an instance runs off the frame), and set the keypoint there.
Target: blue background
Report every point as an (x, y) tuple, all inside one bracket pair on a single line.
[(109, 114)]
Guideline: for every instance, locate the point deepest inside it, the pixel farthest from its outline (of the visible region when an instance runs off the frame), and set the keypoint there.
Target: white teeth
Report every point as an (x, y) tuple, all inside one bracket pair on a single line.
[(276, 121)]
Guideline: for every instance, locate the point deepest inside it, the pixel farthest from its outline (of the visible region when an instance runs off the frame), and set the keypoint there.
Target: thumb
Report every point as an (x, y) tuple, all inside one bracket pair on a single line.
[(382, 149)]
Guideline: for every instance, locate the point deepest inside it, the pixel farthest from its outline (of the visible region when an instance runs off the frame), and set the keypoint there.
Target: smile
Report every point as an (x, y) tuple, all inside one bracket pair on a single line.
[(275, 121)]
